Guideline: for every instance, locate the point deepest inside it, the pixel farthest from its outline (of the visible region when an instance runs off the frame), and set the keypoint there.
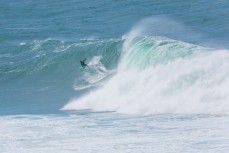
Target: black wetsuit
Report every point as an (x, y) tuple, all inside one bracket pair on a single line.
[(83, 64)]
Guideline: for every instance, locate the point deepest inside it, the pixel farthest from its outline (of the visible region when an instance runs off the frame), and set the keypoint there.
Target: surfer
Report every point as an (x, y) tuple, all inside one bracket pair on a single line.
[(83, 64)]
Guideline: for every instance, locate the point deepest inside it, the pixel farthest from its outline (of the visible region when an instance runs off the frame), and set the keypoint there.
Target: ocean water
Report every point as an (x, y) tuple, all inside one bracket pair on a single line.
[(157, 80)]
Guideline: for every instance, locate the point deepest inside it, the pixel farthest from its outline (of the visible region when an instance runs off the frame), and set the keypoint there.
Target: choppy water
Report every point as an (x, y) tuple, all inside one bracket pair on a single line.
[(106, 132), (157, 79)]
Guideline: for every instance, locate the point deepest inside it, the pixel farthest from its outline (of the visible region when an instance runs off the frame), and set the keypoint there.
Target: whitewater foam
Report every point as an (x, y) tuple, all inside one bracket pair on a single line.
[(108, 132)]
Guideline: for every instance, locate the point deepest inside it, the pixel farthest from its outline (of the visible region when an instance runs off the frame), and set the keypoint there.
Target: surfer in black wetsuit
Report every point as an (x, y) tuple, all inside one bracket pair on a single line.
[(82, 63)]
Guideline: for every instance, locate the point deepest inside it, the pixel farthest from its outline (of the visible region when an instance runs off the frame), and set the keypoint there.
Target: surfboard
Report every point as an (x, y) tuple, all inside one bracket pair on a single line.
[(82, 68)]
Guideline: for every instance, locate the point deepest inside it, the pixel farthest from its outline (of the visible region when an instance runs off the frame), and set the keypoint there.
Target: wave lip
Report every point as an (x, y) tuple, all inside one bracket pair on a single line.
[(143, 52)]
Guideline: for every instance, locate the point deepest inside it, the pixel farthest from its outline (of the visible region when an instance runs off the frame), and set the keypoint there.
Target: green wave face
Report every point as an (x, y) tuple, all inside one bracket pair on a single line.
[(151, 51), (48, 58)]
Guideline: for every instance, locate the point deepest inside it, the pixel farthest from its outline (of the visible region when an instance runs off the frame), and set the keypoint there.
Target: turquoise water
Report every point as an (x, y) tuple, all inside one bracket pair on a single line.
[(157, 79)]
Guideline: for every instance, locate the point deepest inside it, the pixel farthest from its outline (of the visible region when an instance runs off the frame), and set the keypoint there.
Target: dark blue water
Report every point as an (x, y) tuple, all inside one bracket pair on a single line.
[(29, 20)]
